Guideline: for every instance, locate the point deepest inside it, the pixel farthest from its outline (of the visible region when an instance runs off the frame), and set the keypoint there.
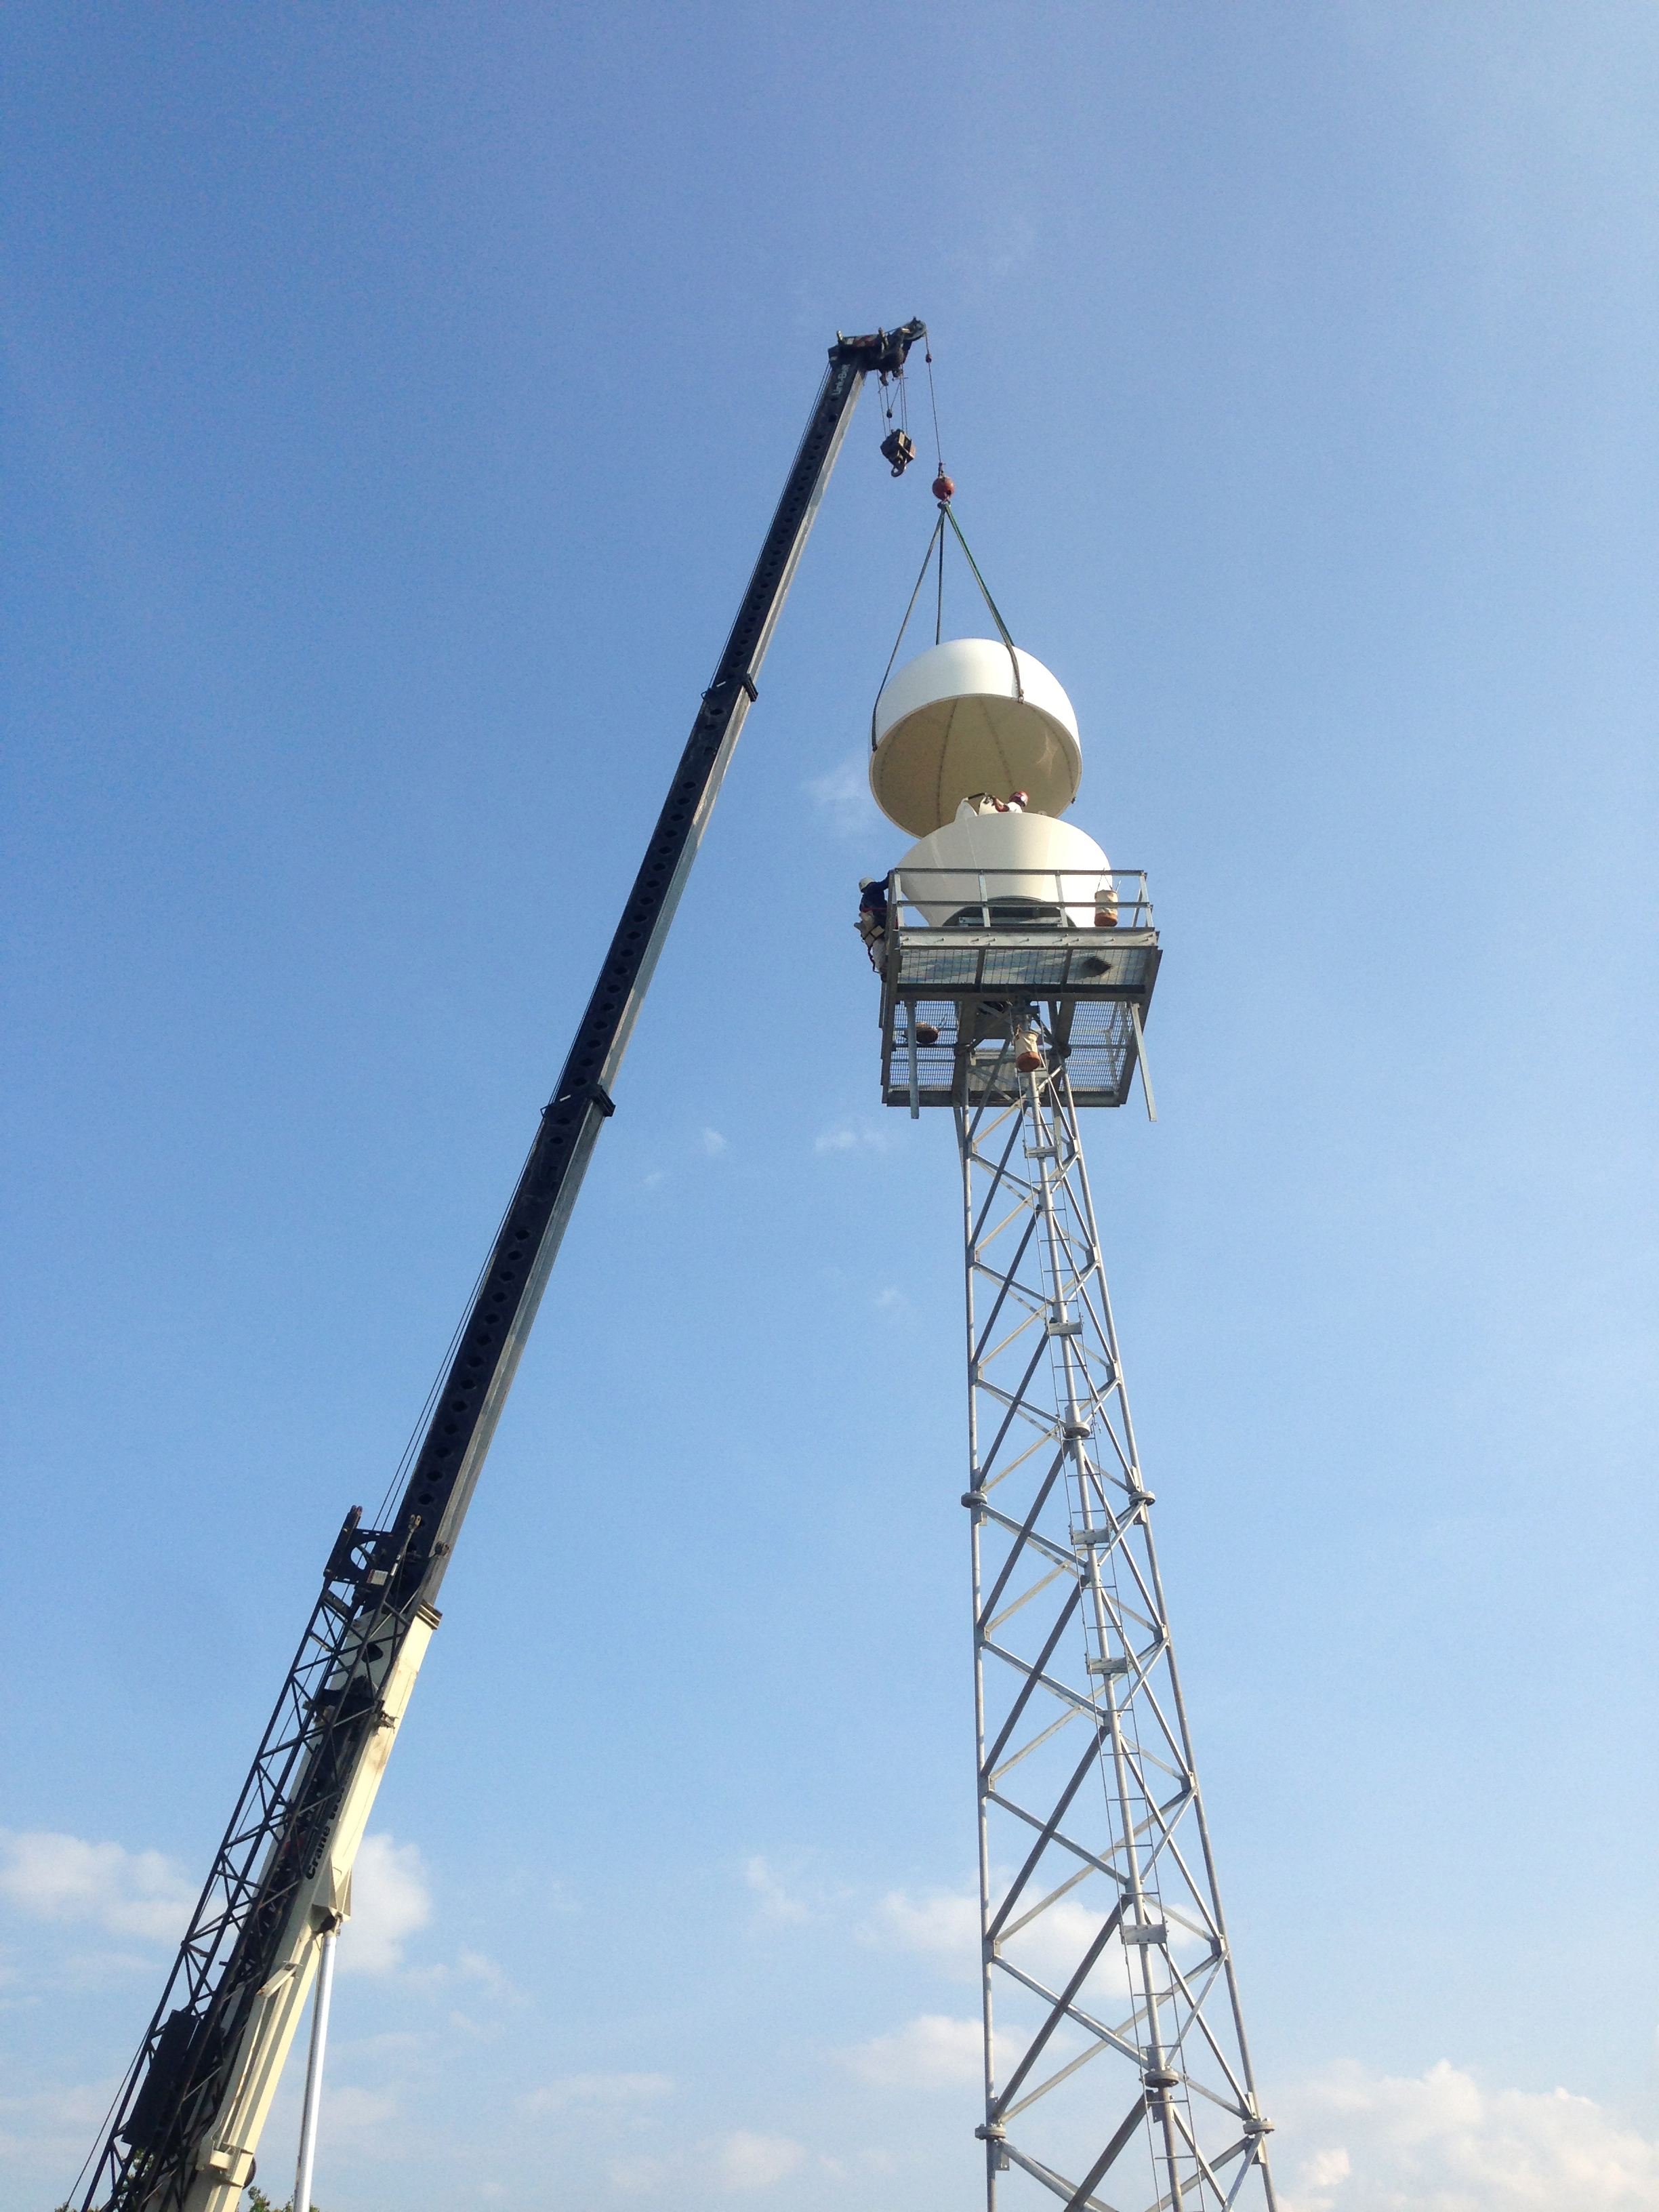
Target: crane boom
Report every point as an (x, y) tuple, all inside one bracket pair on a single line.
[(186, 2124)]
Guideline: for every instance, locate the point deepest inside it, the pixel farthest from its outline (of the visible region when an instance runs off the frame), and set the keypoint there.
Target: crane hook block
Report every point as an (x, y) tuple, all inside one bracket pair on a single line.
[(899, 448)]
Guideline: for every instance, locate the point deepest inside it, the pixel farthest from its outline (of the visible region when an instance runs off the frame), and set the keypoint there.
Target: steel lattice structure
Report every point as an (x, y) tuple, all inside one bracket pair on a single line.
[(184, 2131), (339, 1711), (1127, 2083)]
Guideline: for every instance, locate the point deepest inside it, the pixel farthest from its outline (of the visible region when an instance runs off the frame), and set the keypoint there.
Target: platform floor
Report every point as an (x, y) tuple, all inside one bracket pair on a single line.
[(974, 987)]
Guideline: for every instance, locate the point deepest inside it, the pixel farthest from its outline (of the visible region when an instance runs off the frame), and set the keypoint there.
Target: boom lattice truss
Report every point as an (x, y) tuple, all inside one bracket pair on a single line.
[(184, 2130), (1105, 1956)]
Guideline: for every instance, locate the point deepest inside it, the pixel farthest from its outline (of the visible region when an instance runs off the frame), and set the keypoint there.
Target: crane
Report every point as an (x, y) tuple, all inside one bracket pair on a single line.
[(186, 2122)]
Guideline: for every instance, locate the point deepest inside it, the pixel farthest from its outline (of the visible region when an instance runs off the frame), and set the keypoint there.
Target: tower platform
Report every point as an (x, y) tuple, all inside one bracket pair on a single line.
[(976, 959)]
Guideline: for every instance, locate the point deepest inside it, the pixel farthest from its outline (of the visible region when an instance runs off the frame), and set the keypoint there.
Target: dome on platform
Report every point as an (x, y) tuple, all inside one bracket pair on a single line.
[(951, 722), (1020, 867)]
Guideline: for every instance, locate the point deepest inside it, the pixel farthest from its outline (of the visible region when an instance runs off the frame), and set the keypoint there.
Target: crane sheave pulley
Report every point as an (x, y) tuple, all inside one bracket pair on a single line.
[(186, 2123)]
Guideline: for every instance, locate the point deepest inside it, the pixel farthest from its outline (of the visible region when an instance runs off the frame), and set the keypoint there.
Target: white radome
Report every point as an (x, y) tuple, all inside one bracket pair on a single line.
[(952, 722), (991, 857)]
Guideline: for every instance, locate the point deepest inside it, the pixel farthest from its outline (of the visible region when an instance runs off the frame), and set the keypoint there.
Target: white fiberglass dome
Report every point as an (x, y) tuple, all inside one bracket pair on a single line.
[(952, 722), (1010, 861)]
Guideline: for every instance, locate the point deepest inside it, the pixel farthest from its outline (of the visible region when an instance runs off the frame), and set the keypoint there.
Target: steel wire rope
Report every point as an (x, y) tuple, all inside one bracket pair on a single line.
[(893, 384), (932, 401), (938, 530), (948, 513), (939, 477), (102, 2143)]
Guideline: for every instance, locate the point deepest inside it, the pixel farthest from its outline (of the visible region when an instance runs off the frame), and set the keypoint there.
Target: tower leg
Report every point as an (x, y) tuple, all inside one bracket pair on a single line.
[(1125, 2071)]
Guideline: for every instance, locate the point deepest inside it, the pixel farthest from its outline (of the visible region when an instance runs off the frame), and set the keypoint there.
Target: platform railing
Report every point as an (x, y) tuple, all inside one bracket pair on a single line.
[(1020, 899)]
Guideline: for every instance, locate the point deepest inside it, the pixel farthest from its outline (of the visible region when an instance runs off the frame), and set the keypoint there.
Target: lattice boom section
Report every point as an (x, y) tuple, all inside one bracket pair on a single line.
[(1115, 2049), (275, 1840)]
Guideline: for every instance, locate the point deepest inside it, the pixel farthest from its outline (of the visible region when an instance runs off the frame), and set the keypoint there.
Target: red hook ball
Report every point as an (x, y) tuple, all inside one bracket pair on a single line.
[(943, 488)]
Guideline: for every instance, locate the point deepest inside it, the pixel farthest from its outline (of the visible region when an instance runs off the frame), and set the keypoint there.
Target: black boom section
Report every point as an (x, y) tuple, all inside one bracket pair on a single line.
[(447, 1463), (376, 1579)]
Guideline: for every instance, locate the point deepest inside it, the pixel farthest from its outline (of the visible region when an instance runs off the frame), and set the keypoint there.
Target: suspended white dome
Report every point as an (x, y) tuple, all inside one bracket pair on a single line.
[(952, 722), (1011, 861)]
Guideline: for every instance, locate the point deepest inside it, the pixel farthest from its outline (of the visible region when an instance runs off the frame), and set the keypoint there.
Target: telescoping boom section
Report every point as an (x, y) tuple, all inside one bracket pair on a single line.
[(186, 2124)]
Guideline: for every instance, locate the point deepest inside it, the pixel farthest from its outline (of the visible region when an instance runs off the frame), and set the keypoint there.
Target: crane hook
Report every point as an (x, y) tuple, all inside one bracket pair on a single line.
[(899, 448)]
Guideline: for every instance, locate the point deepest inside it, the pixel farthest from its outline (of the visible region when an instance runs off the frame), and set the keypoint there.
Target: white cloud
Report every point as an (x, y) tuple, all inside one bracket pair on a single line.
[(389, 1900), (945, 1924), (739, 2161), (749, 2161), (777, 1904), (847, 1138), (471, 1974), (71, 2112), (598, 2095), (140, 1894), (933, 2053), (711, 1144), (94, 1969), (1440, 2142), (1050, 1946), (350, 2112), (475, 1968), (842, 800), (479, 1966), (44, 2134), (634, 2175)]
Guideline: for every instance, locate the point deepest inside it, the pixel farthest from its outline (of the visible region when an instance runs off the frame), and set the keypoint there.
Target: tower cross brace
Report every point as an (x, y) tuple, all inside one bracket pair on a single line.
[(1117, 2074)]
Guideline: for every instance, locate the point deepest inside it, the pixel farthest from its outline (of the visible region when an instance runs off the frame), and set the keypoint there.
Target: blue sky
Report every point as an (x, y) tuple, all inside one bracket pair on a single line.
[(395, 399)]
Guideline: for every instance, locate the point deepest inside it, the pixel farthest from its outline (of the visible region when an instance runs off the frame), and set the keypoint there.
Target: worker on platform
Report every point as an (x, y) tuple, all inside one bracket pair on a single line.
[(981, 802), (872, 917)]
